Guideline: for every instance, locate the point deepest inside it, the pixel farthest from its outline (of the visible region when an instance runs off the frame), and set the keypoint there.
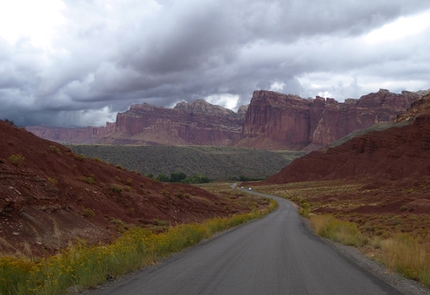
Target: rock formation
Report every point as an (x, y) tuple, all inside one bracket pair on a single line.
[(395, 153), (72, 135), (197, 123), (272, 121), (279, 121)]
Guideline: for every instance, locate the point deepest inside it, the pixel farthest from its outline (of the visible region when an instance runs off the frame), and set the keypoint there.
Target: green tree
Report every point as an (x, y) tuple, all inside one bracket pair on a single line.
[(177, 176), (162, 178), (198, 178)]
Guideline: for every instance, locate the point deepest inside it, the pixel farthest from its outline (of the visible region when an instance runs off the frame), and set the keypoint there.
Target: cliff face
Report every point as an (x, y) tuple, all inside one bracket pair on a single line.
[(272, 121), (395, 153), (197, 123), (279, 121), (72, 135)]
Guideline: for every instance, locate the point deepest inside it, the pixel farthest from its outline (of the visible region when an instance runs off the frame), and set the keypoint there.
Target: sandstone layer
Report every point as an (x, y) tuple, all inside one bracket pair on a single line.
[(279, 121), (197, 123), (272, 121), (72, 135), (392, 154)]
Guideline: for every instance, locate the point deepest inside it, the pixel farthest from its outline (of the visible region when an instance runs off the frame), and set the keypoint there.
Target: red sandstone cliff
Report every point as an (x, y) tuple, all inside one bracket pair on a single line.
[(395, 153), (72, 135), (271, 121), (197, 123), (279, 121)]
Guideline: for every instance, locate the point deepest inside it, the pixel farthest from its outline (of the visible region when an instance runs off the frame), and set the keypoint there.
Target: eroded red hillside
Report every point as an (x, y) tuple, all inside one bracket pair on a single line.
[(396, 153), (50, 196)]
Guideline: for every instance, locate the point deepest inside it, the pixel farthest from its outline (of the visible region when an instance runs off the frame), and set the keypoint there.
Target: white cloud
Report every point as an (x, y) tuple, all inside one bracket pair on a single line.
[(226, 100), (277, 86), (35, 20), (399, 29)]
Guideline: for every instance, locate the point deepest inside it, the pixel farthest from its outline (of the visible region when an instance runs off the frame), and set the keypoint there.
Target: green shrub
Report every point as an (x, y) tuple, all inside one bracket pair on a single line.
[(90, 180), (88, 212), (198, 178), (52, 180), (55, 149), (80, 157), (177, 176), (16, 159), (162, 178), (115, 189), (161, 222), (96, 159)]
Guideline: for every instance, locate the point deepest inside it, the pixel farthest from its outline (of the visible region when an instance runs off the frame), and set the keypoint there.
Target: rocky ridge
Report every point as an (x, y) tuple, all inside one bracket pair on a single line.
[(272, 121), (279, 121), (393, 154), (72, 135), (197, 123)]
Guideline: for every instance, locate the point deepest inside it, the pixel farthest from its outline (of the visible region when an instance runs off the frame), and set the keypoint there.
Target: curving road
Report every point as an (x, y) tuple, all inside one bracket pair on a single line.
[(273, 255)]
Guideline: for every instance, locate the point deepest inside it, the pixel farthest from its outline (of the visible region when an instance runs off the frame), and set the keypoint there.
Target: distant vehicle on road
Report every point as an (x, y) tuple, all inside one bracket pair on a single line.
[(250, 189)]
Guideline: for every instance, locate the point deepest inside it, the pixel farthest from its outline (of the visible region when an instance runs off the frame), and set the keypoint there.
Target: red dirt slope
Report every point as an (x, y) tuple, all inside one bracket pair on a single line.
[(380, 180), (50, 196), (392, 154)]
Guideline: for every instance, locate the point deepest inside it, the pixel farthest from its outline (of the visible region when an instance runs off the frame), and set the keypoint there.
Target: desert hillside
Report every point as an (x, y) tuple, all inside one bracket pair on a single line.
[(393, 154), (50, 196)]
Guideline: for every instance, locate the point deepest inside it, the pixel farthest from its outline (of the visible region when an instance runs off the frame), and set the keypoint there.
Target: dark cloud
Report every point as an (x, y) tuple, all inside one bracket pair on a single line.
[(108, 55)]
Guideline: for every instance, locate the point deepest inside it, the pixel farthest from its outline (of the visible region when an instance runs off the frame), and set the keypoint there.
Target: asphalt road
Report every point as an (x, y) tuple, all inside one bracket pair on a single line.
[(273, 255)]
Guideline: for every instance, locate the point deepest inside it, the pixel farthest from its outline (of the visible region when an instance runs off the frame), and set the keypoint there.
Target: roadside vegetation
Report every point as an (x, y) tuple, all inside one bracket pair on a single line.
[(82, 266), (397, 238), (215, 163)]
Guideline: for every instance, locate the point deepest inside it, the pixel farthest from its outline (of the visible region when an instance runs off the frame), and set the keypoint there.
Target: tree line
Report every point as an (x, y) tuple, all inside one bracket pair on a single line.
[(180, 177)]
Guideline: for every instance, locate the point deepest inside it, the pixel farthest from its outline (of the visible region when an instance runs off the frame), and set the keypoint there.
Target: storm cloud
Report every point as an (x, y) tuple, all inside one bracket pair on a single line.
[(78, 63)]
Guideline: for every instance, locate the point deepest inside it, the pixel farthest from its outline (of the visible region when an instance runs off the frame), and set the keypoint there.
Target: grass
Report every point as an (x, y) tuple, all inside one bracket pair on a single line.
[(405, 255), (81, 266), (400, 253), (337, 230), (398, 240)]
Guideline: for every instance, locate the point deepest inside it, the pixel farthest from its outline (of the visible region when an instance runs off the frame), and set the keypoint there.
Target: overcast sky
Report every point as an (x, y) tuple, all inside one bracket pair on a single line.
[(78, 63)]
